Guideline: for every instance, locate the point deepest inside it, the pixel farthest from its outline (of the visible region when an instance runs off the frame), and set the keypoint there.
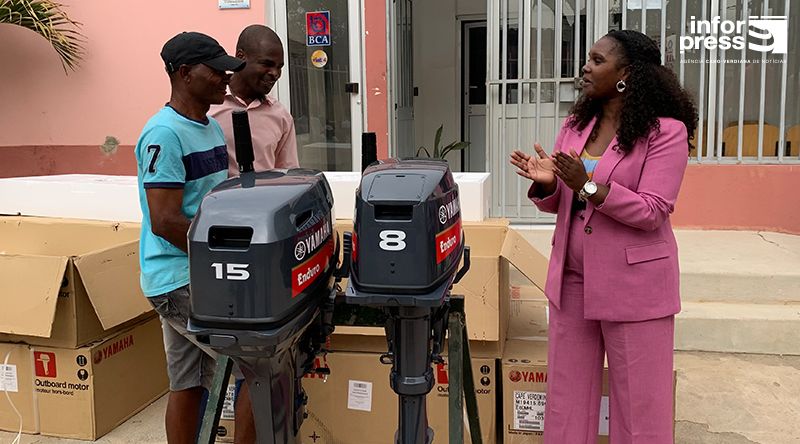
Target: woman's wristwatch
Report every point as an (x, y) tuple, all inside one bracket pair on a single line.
[(588, 190)]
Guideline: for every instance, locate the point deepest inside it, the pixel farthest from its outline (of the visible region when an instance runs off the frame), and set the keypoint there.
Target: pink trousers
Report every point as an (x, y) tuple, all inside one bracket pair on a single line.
[(640, 376)]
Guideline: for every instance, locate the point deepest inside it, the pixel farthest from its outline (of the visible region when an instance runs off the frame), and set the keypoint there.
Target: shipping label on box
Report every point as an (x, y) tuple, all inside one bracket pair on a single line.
[(8, 378), (226, 427), (16, 389), (359, 395), (528, 412), (228, 403)]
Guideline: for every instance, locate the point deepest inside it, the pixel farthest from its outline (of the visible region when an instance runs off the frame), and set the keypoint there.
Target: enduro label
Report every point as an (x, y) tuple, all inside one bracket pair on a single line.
[(307, 272), (448, 241)]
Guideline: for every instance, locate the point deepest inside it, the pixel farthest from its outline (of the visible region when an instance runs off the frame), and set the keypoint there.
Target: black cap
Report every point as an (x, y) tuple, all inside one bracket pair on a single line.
[(191, 48)]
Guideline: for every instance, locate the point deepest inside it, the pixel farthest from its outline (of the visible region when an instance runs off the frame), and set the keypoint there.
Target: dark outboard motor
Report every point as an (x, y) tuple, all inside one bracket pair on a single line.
[(406, 247), (262, 253)]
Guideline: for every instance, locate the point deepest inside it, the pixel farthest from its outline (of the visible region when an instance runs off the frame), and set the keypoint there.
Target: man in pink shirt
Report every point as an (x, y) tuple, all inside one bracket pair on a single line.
[(274, 143), (271, 125)]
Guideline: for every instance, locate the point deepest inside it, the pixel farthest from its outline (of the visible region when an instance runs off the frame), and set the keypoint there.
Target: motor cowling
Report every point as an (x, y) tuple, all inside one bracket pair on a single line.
[(408, 239), (261, 253)]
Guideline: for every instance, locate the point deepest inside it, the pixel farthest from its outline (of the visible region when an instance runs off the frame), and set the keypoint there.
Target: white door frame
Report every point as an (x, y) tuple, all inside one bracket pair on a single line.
[(400, 97), (462, 24), (275, 17)]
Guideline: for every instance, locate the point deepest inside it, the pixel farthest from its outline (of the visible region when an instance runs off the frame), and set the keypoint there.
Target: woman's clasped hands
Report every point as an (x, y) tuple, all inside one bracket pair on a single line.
[(544, 169)]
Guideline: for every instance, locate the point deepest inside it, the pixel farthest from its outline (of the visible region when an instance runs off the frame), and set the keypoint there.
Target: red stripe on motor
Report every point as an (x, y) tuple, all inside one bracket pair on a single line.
[(448, 241), (306, 273)]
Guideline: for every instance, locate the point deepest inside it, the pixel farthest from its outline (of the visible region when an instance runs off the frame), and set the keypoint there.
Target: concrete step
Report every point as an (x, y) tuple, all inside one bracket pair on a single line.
[(739, 266), (740, 290), (738, 328), (721, 266)]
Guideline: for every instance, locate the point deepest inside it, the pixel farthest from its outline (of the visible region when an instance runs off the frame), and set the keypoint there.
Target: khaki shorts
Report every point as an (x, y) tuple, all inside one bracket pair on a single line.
[(189, 364)]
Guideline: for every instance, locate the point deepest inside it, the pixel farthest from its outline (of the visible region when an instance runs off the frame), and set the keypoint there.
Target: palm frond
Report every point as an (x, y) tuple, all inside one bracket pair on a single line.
[(48, 19)]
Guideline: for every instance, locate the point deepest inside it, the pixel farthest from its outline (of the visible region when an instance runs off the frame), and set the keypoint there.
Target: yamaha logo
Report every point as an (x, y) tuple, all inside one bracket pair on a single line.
[(312, 238), (449, 211), (443, 215), (300, 251)]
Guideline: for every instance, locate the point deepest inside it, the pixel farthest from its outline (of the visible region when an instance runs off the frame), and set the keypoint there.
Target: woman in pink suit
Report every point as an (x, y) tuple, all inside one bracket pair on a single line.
[(612, 179)]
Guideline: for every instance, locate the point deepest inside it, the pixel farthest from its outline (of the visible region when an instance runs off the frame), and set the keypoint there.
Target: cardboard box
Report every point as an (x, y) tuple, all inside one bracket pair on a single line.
[(16, 385), (67, 282), (86, 393), (524, 373), (367, 413), (527, 293), (528, 314), (528, 320), (226, 426), (357, 405), (494, 247)]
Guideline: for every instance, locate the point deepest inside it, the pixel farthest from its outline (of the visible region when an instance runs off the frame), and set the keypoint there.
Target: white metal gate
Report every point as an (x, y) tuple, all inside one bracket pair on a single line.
[(537, 49), (740, 93)]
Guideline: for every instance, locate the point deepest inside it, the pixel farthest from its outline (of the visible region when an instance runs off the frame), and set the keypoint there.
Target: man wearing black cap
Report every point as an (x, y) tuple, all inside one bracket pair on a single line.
[(181, 155)]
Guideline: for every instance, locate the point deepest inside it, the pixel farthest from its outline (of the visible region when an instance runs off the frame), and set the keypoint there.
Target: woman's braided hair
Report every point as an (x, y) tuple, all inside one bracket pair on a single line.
[(652, 91)]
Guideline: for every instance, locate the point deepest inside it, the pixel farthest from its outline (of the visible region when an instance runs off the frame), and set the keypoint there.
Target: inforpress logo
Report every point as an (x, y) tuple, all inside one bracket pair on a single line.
[(774, 30), (764, 34)]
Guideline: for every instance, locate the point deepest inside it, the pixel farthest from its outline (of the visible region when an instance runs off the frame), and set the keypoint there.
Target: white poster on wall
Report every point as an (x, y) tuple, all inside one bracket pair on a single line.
[(234, 4)]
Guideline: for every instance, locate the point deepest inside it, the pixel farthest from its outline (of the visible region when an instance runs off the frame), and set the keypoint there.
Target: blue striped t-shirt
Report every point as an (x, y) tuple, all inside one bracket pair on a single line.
[(175, 151)]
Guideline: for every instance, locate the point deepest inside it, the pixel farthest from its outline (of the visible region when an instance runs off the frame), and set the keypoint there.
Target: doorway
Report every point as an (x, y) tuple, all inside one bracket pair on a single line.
[(321, 82), (473, 93), (401, 68)]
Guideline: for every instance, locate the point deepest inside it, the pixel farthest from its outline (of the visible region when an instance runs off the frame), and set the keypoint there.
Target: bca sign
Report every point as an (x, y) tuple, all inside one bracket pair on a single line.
[(318, 28)]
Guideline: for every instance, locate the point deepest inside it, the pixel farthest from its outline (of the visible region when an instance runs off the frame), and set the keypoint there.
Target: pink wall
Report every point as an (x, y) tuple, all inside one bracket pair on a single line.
[(20, 161), (376, 90), (122, 80), (740, 197)]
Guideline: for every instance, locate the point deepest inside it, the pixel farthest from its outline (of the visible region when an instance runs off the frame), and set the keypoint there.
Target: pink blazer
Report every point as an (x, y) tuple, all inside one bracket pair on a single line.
[(630, 255)]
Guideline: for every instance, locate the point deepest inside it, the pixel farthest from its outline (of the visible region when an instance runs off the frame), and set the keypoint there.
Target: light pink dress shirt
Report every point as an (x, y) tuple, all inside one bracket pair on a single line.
[(272, 129)]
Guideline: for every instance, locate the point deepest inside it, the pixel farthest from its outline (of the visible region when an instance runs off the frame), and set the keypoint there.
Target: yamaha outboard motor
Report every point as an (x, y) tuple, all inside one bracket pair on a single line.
[(406, 248), (262, 253)]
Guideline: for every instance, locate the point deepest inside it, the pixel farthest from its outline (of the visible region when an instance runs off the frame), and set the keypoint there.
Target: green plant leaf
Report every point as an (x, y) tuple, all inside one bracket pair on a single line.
[(48, 19), (458, 145), (437, 141), (421, 149), (455, 146)]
